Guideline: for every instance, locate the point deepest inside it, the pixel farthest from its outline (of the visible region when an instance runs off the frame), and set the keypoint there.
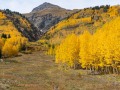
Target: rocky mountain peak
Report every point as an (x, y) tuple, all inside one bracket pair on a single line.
[(45, 5), (47, 15)]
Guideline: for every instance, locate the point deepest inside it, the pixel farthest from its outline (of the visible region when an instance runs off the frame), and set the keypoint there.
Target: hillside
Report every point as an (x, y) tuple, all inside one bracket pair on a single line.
[(86, 19), (46, 15), (15, 24)]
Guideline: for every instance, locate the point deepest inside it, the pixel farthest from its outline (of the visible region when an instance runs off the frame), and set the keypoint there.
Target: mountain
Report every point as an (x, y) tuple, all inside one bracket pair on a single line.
[(15, 24), (45, 5), (89, 19), (46, 15)]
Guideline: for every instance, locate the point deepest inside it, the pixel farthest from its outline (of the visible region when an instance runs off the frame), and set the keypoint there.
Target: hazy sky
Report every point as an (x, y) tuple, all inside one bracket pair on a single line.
[(25, 6)]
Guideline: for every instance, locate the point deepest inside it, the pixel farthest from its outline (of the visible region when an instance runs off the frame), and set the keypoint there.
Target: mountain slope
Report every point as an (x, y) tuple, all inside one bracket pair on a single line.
[(15, 24), (46, 15), (86, 19)]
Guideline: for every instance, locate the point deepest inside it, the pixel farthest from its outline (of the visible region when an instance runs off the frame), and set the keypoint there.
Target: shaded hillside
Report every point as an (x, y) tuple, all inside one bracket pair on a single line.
[(15, 24), (86, 19), (47, 15)]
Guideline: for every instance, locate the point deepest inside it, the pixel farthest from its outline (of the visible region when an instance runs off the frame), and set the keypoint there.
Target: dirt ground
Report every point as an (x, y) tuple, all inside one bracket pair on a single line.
[(38, 71)]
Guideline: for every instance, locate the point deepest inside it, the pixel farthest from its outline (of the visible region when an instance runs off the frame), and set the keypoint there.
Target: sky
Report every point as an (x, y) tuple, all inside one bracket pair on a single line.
[(26, 6)]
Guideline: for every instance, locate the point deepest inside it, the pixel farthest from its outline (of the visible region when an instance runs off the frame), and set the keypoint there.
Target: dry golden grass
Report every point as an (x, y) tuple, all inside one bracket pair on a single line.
[(38, 71)]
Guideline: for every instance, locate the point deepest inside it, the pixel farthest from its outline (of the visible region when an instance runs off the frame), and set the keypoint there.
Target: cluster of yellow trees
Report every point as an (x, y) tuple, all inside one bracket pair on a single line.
[(2, 15), (71, 23), (97, 52), (11, 46)]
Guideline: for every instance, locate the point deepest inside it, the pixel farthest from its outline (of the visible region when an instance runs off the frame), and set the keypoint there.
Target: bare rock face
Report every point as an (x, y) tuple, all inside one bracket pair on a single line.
[(46, 15)]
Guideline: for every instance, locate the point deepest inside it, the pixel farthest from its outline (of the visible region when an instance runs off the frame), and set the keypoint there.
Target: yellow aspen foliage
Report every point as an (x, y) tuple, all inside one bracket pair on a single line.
[(97, 52), (68, 51), (86, 19), (10, 29), (24, 22), (75, 16), (13, 46), (84, 49), (9, 50), (1, 43), (113, 11), (111, 32), (51, 50), (1, 46), (2, 15)]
